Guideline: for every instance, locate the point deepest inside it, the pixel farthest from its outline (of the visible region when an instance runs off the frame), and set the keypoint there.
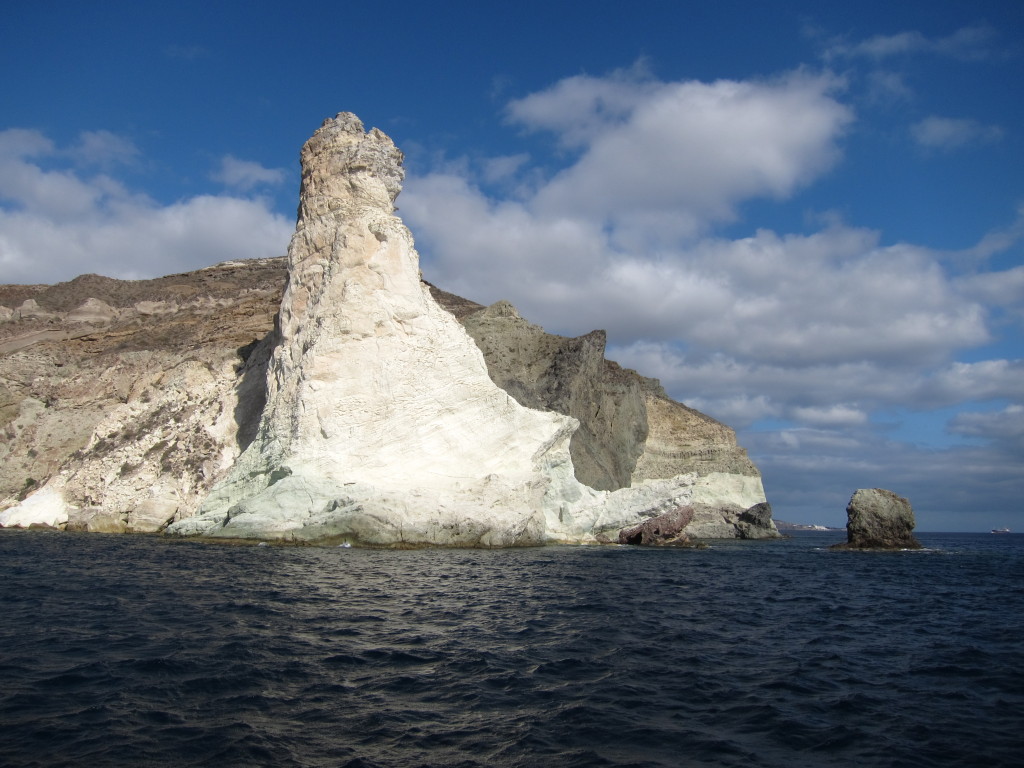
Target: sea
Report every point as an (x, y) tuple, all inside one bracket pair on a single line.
[(144, 651)]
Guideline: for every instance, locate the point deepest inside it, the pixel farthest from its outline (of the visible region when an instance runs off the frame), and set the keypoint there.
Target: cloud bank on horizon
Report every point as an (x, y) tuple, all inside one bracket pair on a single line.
[(846, 358)]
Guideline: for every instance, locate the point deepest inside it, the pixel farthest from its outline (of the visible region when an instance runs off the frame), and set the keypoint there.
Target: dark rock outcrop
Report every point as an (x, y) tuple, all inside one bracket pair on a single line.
[(879, 519), (630, 429), (665, 530), (755, 521), (571, 376)]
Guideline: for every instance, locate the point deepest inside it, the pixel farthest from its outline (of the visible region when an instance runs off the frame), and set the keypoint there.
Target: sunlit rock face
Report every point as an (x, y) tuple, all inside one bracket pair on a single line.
[(381, 423), (364, 414), (116, 417)]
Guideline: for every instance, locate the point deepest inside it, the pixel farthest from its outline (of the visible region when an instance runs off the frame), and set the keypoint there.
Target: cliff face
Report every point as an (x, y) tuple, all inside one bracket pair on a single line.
[(630, 430), (368, 415), (131, 395)]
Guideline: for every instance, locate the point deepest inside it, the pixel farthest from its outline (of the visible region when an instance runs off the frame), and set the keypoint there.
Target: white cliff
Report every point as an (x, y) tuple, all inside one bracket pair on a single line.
[(366, 414), (382, 425)]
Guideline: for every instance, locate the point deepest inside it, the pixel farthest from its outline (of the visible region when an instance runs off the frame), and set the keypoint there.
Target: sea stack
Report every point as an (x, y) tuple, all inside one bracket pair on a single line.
[(382, 426), (879, 519)]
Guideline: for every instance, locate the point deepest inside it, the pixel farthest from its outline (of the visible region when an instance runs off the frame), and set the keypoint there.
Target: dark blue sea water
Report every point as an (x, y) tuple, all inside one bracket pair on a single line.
[(137, 651)]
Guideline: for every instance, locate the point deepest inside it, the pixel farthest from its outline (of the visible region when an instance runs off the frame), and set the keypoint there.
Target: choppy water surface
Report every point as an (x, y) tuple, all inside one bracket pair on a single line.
[(126, 651)]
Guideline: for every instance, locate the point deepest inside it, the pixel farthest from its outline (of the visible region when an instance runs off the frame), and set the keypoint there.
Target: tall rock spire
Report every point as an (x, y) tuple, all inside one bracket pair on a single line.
[(382, 425)]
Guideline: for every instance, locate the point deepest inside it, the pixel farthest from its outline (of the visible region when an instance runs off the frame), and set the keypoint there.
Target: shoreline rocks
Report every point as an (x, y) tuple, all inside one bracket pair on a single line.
[(665, 530)]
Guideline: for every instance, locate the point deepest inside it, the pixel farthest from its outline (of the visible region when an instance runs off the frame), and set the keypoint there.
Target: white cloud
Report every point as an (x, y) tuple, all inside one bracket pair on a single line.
[(497, 169), (951, 133), (819, 329), (741, 391), (972, 42), (16, 143), (661, 161), (830, 416), (244, 175), (56, 223), (983, 380), (579, 109), (996, 289)]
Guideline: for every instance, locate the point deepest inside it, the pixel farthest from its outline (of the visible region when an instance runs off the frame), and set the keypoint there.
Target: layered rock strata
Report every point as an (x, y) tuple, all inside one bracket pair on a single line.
[(136, 409), (630, 430), (382, 425)]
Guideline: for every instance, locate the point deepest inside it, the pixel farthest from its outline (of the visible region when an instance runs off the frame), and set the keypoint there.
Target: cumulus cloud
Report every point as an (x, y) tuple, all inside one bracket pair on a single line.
[(663, 160), (58, 222), (952, 133), (741, 391), (621, 239), (103, 149)]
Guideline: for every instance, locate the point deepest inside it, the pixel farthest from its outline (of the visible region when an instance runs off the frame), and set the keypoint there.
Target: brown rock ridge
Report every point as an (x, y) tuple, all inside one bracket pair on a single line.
[(135, 393)]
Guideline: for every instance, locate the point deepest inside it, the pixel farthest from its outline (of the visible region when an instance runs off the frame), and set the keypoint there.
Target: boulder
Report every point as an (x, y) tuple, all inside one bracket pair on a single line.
[(152, 515), (879, 519), (45, 507), (756, 522), (665, 530), (95, 520)]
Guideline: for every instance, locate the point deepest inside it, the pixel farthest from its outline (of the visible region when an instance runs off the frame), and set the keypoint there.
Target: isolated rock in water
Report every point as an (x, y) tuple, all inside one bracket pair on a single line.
[(753, 522), (879, 519), (665, 530)]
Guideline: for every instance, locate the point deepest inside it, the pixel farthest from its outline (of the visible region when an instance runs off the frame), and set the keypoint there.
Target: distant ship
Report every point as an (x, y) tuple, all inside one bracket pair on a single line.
[(1000, 530)]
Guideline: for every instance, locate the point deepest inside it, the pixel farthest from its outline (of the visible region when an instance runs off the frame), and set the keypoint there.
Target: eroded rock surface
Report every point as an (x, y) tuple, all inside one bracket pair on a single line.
[(113, 407), (136, 398), (665, 530), (879, 519)]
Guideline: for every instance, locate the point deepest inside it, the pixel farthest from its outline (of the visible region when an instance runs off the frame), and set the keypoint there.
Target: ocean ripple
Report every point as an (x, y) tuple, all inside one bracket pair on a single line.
[(126, 651)]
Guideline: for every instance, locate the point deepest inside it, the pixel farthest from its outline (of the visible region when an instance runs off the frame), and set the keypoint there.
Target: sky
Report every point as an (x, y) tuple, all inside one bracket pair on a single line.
[(806, 219)]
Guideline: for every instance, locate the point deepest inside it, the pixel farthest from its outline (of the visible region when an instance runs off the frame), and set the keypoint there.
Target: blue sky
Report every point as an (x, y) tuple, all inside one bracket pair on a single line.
[(805, 218)]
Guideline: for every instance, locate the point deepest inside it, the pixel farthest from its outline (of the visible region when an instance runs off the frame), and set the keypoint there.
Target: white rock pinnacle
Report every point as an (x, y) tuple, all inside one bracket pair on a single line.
[(382, 426)]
